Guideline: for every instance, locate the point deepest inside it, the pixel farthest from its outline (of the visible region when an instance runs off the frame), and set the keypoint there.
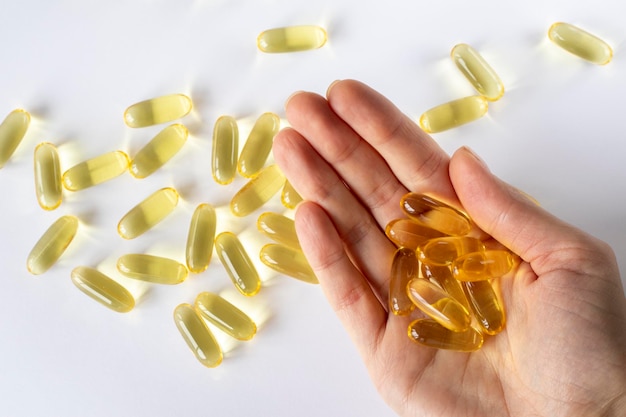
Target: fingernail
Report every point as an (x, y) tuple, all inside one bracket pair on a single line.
[(330, 87), (292, 96), (475, 156)]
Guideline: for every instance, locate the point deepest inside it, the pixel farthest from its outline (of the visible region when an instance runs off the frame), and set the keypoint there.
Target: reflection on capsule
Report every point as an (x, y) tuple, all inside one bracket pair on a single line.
[(435, 214), (438, 305), (197, 335), (453, 114), (12, 131), (237, 263), (580, 43), (258, 145), (199, 250), (292, 39), (95, 171), (150, 268), (477, 71), (158, 151), (103, 289), (257, 191), (148, 213), (157, 110), (48, 186), (52, 244), (225, 150), (225, 316), (429, 333), (404, 267), (288, 261)]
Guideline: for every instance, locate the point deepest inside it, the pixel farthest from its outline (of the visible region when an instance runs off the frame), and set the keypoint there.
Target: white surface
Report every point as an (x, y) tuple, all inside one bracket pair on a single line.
[(558, 134)]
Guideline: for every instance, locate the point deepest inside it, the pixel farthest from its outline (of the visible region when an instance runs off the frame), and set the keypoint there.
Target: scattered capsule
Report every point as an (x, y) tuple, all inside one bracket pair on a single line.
[(157, 110), (478, 72), (289, 196), (159, 150), (197, 335), (453, 114), (12, 131), (151, 268), (444, 250), (52, 244), (258, 145), (438, 305), (48, 188), (103, 289), (288, 261), (442, 276), (406, 233), (225, 150), (95, 171), (279, 228), (292, 39), (225, 316), (148, 213), (485, 305), (429, 333), (257, 191), (435, 214), (404, 268), (238, 265), (483, 265), (580, 43), (200, 238)]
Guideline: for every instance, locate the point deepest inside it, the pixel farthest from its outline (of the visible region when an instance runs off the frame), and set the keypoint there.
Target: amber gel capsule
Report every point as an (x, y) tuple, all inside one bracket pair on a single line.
[(478, 72), (258, 145), (444, 250), (442, 276), (289, 196), (409, 234), (257, 191), (580, 43), (158, 151), (95, 171), (148, 213), (279, 228), (435, 214), (197, 335), (429, 333), (12, 131), (103, 289), (225, 316), (486, 306), (438, 305), (157, 110), (237, 263), (150, 268), (288, 261), (48, 186), (479, 266), (404, 268), (292, 39), (453, 114), (225, 150), (200, 238), (52, 244)]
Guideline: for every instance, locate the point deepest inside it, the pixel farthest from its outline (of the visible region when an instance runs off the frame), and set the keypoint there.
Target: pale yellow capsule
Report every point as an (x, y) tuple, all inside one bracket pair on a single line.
[(95, 171), (197, 335), (453, 114), (580, 43), (48, 188), (257, 191), (258, 145), (477, 71), (292, 39), (438, 305), (404, 268), (12, 131), (279, 228), (237, 263), (148, 213), (52, 244), (289, 196), (159, 150), (429, 333), (157, 110), (151, 268), (288, 261), (200, 238), (225, 316), (103, 289), (225, 150)]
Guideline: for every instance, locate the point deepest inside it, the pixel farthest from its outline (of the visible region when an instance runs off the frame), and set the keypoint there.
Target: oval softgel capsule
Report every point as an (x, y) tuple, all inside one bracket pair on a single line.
[(158, 110), (477, 71), (580, 43), (52, 244), (292, 39)]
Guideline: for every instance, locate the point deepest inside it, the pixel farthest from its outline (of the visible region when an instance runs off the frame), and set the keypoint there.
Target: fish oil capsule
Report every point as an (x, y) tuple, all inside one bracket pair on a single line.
[(150, 268), (435, 214), (258, 145), (478, 72), (238, 265), (95, 171), (225, 150), (289, 196), (580, 43), (444, 250), (197, 335), (257, 191), (292, 39), (51, 245), (479, 266), (485, 305), (158, 151), (409, 234), (279, 228), (103, 289), (442, 276), (225, 316), (404, 268), (48, 186), (148, 213), (200, 238), (288, 261), (429, 333), (12, 131), (453, 114), (157, 110), (438, 305)]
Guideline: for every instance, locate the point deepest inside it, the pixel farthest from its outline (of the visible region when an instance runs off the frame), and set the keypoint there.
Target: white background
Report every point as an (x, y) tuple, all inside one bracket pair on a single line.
[(557, 134)]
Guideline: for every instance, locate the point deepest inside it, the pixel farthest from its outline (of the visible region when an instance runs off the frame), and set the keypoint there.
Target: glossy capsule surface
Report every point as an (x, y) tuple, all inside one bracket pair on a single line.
[(103, 289), (237, 263), (200, 238), (148, 213), (442, 276), (486, 306), (453, 114), (257, 191), (52, 244), (292, 39), (407, 233), (479, 266), (151, 268), (438, 305), (435, 214), (12, 131), (96, 170), (444, 250), (48, 188), (288, 261), (158, 151), (429, 333), (279, 228), (258, 144), (197, 335), (289, 196), (225, 150), (580, 43), (157, 110), (225, 316), (477, 71), (404, 268)]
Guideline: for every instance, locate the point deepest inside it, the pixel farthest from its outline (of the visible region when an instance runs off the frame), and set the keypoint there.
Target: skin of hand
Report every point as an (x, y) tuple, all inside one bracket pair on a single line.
[(352, 155)]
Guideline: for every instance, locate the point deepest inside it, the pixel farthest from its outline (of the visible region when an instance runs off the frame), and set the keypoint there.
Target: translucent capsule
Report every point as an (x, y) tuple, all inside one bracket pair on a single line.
[(429, 333), (442, 276), (48, 188), (237, 263), (148, 213), (292, 39), (225, 150), (409, 234), (289, 196), (485, 305), (200, 238), (444, 250), (52, 244), (12, 131), (404, 268), (95, 171), (151, 268), (478, 72), (197, 335), (288, 261), (158, 151), (225, 316), (279, 228), (438, 305), (257, 191), (435, 214), (479, 266), (258, 145), (580, 43), (453, 114), (103, 289), (157, 110)]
